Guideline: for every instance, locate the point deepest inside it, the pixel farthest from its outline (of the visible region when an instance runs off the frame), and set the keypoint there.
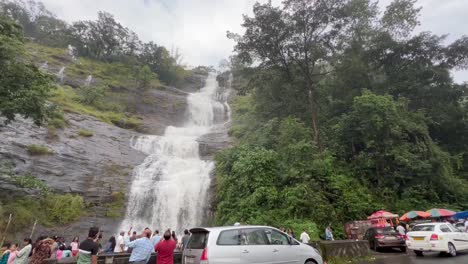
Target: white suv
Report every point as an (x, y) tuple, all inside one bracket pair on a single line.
[(245, 245)]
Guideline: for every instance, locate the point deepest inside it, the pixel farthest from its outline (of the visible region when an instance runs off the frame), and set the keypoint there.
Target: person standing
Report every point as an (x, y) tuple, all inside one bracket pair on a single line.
[(5, 253), (185, 239), (165, 249), (120, 243), (401, 230), (305, 238), (291, 233), (13, 253), (23, 254), (42, 250), (141, 248), (111, 245), (132, 238), (89, 248), (74, 246), (466, 225), (328, 234), (156, 237)]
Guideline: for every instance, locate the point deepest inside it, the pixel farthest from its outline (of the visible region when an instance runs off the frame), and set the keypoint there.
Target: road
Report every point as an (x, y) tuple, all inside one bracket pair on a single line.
[(429, 258)]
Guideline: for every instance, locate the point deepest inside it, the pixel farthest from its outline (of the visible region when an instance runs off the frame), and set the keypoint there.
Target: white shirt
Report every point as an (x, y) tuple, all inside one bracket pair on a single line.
[(305, 238), (466, 225), (120, 241), (401, 230)]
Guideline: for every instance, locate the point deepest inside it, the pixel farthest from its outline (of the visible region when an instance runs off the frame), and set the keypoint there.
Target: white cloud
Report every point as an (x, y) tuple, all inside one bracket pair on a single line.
[(198, 27)]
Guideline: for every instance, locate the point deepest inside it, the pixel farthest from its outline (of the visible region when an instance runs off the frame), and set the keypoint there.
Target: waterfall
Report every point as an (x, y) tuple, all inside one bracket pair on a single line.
[(44, 66), (61, 74), (88, 80), (169, 189)]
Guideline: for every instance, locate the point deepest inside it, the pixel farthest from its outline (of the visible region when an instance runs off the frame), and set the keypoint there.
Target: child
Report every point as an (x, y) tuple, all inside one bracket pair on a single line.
[(5, 253), (13, 253)]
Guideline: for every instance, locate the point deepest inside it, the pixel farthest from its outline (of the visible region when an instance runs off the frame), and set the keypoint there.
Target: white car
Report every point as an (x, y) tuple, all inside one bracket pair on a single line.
[(246, 245), (438, 237)]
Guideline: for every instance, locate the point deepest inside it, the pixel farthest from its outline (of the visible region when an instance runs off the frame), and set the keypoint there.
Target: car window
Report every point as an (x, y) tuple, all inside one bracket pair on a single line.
[(423, 228), (277, 238), (253, 237), (229, 238), (445, 229), (452, 228), (198, 240), (387, 231)]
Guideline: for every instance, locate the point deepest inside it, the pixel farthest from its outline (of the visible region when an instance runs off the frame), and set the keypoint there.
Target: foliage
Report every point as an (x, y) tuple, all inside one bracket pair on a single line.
[(391, 119), (50, 210), (85, 133), (69, 100), (30, 181), (23, 88), (114, 209), (38, 150), (62, 209), (91, 95)]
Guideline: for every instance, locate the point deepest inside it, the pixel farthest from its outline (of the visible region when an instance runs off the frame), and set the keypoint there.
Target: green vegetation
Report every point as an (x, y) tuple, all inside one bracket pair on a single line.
[(49, 210), (69, 100), (115, 208), (349, 260), (24, 89), (30, 181), (333, 122), (85, 133), (38, 150)]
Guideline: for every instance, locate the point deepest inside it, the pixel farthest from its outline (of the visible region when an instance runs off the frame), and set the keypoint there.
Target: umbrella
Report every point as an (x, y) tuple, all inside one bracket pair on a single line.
[(382, 214), (440, 212), (414, 214)]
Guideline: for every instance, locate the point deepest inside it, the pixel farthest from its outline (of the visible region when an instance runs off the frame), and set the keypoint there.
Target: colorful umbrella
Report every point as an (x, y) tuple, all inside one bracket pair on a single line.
[(382, 214), (413, 215), (440, 212)]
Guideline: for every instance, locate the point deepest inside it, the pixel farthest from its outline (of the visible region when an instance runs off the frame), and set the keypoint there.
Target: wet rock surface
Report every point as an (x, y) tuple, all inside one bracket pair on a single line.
[(94, 167)]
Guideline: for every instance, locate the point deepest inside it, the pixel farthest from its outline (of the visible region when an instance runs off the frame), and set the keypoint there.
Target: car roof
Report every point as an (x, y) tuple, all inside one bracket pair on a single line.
[(432, 224), (220, 228)]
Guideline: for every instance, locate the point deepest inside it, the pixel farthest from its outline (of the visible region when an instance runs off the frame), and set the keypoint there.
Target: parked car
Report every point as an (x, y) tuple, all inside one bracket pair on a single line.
[(439, 237), (246, 244), (460, 226), (384, 237)]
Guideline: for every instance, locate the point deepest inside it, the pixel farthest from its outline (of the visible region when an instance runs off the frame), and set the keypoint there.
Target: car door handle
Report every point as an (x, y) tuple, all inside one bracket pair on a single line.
[(245, 251), (275, 251)]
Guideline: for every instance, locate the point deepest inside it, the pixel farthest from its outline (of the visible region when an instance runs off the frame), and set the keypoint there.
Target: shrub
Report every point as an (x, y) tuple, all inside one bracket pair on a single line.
[(30, 181), (63, 208), (38, 150), (85, 133), (114, 209)]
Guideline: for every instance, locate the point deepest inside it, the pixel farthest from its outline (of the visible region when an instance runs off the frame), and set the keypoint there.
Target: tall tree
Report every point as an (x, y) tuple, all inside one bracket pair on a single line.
[(300, 37), (24, 89)]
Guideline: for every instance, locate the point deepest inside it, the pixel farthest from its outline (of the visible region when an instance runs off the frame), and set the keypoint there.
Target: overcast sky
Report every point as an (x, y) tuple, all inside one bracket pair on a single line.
[(198, 27)]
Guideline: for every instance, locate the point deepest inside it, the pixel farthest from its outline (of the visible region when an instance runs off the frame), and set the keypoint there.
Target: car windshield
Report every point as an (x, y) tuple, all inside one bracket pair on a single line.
[(423, 228), (386, 231)]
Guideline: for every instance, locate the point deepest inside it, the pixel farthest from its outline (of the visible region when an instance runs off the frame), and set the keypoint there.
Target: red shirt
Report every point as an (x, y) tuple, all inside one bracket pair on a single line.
[(165, 250)]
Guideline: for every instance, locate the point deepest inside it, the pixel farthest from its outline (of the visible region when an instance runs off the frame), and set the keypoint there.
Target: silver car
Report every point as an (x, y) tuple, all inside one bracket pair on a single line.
[(246, 245)]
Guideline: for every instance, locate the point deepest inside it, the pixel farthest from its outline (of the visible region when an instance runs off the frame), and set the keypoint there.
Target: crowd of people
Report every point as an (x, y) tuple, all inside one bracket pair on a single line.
[(139, 246)]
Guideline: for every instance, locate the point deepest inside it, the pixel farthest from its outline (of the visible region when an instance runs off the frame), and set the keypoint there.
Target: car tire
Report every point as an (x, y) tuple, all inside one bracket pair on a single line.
[(403, 249), (376, 248), (418, 253), (452, 251), (310, 262)]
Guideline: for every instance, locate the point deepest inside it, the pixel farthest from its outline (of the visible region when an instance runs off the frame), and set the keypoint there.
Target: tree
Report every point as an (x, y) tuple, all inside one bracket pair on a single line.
[(300, 36), (24, 89), (144, 76)]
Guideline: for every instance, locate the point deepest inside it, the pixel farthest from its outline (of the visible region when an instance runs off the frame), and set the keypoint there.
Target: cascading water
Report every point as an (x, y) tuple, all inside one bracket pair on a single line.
[(169, 190)]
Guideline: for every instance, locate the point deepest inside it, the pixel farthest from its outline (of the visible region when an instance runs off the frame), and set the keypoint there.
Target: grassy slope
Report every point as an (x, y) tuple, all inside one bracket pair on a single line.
[(117, 79)]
